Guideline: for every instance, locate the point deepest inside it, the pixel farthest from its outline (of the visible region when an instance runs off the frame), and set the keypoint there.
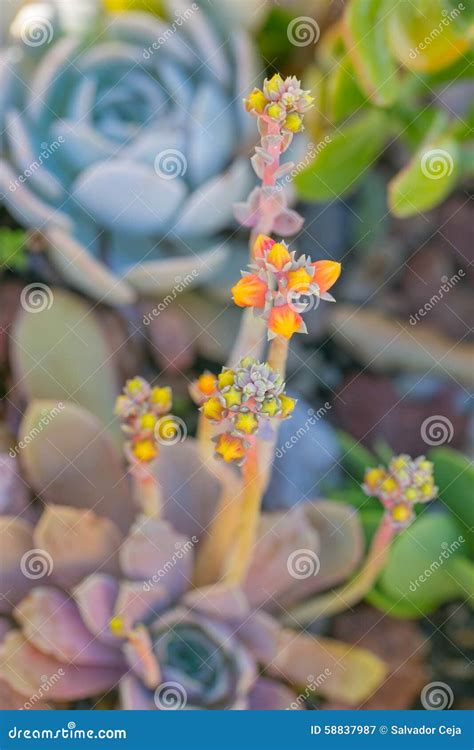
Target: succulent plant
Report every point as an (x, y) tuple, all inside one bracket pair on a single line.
[(382, 75), (103, 595), (131, 183)]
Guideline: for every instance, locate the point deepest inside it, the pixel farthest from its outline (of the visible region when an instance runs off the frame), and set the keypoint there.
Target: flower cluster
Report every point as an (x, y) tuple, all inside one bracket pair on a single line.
[(281, 100), (142, 411), (280, 286), (243, 402), (406, 482)]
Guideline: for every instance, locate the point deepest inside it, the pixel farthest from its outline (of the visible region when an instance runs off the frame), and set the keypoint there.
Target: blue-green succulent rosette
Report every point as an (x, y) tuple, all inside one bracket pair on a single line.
[(122, 138)]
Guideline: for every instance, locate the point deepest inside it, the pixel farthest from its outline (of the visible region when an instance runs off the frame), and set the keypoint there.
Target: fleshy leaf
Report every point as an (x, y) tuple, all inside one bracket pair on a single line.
[(345, 159), (367, 42), (418, 566), (352, 673), (454, 475), (59, 352), (426, 180), (73, 461)]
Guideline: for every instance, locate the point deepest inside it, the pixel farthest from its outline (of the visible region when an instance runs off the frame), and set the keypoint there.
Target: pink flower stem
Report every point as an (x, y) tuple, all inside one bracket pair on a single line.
[(146, 489), (354, 591)]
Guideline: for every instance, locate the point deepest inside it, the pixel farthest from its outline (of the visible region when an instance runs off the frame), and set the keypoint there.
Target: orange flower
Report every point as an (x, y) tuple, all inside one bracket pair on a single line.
[(230, 448), (207, 383), (250, 291), (326, 273), (261, 245), (284, 321), (279, 255), (299, 280)]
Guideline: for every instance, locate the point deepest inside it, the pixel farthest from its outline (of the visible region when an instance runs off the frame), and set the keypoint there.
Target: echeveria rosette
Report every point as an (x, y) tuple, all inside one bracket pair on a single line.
[(139, 131), (118, 615)]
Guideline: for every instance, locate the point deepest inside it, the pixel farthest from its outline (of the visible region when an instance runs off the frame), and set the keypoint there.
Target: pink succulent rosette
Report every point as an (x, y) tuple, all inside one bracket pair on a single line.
[(115, 614)]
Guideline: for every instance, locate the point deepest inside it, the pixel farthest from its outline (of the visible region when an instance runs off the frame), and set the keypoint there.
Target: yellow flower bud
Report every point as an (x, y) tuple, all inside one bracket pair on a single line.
[(299, 280), (389, 485), (232, 397), (162, 398), (212, 408), (145, 450), (401, 513), (275, 111), (287, 405), (411, 494), (293, 123), (147, 421), (116, 626), (246, 422), (225, 378), (207, 383), (230, 448), (256, 101), (270, 406)]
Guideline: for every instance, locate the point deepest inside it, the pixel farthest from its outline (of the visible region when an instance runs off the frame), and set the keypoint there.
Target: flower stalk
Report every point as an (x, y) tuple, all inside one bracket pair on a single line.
[(406, 483), (144, 417)]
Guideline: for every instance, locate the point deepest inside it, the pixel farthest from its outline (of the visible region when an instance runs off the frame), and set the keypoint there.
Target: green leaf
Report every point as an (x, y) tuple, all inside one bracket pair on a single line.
[(369, 49), (417, 571), (59, 352), (12, 249), (393, 607), (339, 166), (427, 179), (454, 475), (343, 93), (355, 459)]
